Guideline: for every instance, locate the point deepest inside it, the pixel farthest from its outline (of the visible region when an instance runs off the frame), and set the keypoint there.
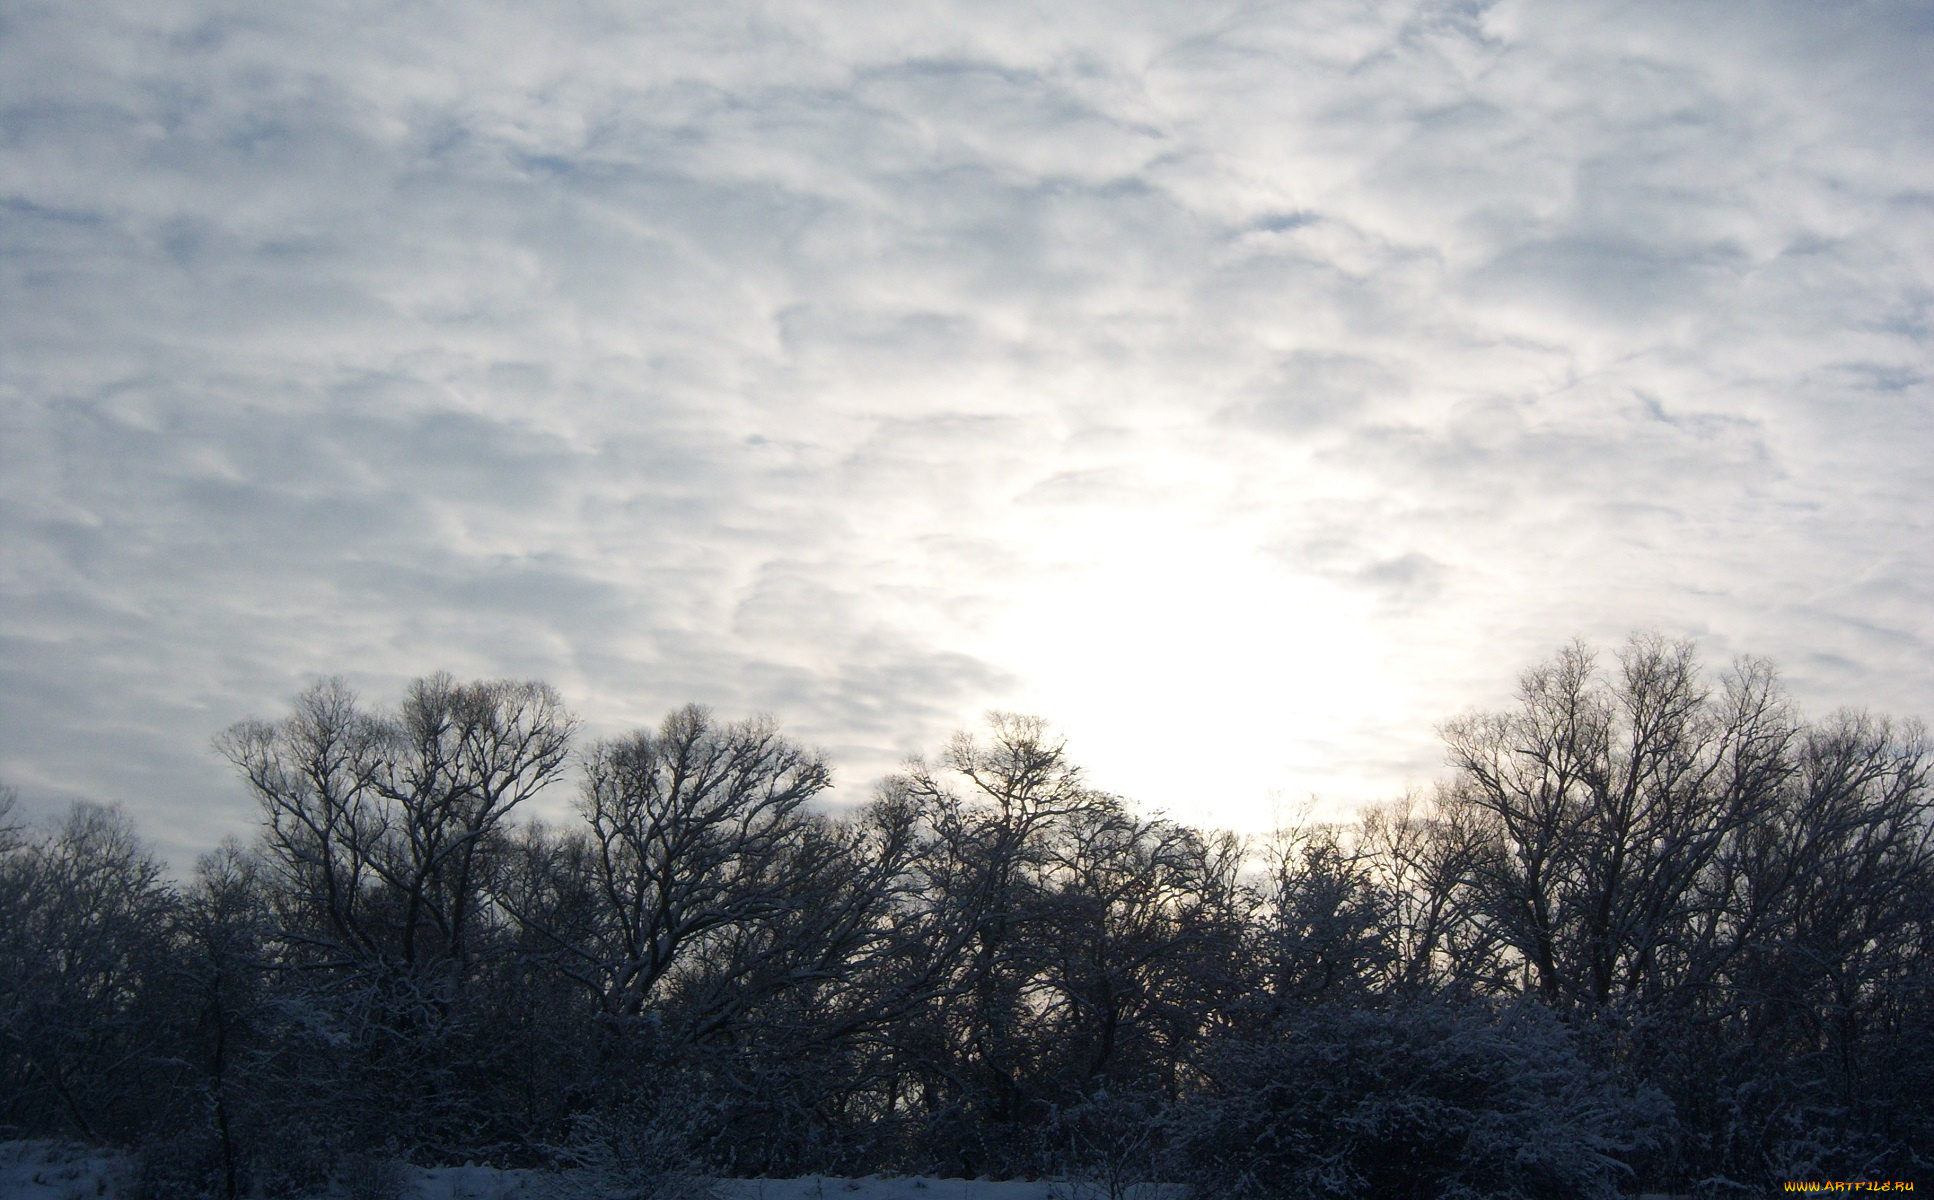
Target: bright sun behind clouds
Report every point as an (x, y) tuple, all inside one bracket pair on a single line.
[(1196, 671)]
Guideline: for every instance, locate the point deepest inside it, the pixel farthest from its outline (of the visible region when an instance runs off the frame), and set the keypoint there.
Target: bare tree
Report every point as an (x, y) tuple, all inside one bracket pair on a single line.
[(1605, 805), (219, 1001), (1418, 861), (380, 827), (83, 939), (376, 820), (1143, 930), (12, 830), (1831, 917), (1321, 932), (1736, 897), (691, 829)]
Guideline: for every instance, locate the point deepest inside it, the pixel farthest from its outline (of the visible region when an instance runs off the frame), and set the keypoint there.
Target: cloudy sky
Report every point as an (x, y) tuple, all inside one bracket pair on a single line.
[(1244, 387)]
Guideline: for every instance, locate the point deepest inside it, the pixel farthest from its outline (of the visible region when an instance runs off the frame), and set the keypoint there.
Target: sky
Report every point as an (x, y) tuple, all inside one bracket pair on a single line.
[(1245, 388)]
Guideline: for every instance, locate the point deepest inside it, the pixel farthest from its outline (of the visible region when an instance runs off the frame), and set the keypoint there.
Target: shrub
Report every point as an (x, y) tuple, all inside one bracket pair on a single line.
[(1425, 1101)]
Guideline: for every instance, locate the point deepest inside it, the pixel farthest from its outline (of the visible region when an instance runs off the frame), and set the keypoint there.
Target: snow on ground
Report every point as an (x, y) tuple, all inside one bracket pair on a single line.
[(488, 1183), (54, 1171), (818, 1187)]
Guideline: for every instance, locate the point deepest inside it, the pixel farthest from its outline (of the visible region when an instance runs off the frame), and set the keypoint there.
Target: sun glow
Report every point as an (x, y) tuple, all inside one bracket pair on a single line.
[(1197, 672)]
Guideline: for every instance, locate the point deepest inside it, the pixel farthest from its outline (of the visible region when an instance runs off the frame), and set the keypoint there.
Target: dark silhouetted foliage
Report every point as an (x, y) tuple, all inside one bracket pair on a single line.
[(1653, 931)]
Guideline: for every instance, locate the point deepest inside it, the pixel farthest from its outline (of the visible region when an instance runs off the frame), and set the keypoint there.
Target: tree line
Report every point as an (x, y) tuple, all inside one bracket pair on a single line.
[(1653, 930)]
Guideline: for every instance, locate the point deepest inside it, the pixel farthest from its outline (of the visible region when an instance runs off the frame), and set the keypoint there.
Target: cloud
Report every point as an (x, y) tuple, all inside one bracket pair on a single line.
[(1288, 374)]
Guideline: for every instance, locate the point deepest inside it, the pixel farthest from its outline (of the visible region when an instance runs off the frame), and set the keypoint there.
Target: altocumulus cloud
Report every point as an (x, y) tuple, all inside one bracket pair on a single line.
[(1244, 387)]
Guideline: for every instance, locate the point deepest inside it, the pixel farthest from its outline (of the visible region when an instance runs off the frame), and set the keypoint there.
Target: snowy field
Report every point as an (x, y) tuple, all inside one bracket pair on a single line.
[(51, 1171)]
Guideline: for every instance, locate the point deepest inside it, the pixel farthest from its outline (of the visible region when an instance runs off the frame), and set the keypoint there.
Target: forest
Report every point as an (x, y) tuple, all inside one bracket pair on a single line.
[(1653, 930)]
